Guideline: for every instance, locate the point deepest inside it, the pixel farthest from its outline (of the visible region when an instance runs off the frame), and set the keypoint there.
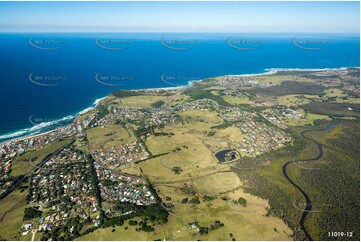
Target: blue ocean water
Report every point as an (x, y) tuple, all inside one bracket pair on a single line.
[(47, 79)]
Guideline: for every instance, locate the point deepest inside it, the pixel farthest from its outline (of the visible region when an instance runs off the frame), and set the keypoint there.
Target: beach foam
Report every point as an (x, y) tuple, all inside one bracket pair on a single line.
[(46, 126), (39, 128)]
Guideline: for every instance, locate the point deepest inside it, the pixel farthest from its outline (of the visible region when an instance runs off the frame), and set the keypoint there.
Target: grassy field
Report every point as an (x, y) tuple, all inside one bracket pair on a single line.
[(232, 134), (236, 100), (338, 97), (185, 151), (132, 169), (350, 100), (203, 175), (11, 215), (197, 125), (223, 138), (333, 92), (203, 116), (295, 100), (278, 79), (244, 223), (119, 234), (215, 88), (21, 163), (81, 145), (200, 122), (217, 183), (140, 101), (111, 135), (146, 101), (215, 93), (205, 191), (162, 144)]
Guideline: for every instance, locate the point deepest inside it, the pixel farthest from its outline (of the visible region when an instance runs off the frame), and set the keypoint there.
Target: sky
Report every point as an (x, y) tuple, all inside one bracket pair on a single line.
[(246, 17)]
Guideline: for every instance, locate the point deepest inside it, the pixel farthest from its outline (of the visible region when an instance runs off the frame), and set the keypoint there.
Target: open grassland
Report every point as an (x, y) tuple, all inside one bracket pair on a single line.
[(236, 100), (176, 99), (215, 92), (82, 145), (22, 164), (197, 125), (278, 79), (11, 215), (214, 88), (111, 135), (140, 101), (333, 92), (182, 138), (295, 100), (132, 169), (120, 233), (204, 191), (185, 151), (337, 96), (199, 122), (311, 117), (146, 101), (351, 100), (241, 223), (202, 175), (217, 183), (233, 134), (229, 137), (261, 100)]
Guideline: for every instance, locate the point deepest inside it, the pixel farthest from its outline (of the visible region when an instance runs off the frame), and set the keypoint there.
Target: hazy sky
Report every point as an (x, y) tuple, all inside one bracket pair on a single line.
[(180, 17)]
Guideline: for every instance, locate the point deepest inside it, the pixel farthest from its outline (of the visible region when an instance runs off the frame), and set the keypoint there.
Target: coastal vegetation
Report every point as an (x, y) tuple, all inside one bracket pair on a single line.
[(212, 161), (316, 177)]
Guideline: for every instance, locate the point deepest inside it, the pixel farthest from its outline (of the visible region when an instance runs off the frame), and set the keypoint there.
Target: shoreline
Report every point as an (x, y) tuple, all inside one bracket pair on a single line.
[(72, 117), (43, 125)]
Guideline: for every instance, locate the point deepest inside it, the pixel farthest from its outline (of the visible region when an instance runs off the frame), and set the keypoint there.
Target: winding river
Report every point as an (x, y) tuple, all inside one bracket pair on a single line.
[(308, 206)]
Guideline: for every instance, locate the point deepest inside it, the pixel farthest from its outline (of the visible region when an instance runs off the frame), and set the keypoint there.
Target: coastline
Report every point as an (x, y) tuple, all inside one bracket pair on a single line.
[(38, 127), (17, 135)]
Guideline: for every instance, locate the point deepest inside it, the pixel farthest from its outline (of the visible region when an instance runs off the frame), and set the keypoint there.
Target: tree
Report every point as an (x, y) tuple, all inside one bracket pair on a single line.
[(241, 201)]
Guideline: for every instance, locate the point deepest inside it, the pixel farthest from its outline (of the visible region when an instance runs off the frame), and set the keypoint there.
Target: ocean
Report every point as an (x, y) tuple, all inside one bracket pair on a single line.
[(48, 79)]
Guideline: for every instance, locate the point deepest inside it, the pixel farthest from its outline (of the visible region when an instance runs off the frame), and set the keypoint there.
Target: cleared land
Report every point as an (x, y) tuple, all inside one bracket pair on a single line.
[(11, 215), (244, 223), (26, 162), (111, 135), (194, 187)]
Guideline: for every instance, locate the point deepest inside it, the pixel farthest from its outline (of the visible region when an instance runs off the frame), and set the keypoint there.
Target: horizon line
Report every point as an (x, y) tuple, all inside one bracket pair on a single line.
[(172, 32)]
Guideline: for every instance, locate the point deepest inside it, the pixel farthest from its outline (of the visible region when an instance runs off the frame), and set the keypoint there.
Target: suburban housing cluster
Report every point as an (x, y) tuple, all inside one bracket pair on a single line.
[(121, 155), (60, 190), (261, 138), (9, 150)]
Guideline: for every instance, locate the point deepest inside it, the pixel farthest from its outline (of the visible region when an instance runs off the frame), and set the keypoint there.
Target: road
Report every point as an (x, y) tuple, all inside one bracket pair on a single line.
[(33, 236)]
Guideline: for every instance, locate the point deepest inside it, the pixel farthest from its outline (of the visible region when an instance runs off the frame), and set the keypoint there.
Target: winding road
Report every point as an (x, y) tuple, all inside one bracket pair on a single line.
[(308, 206)]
